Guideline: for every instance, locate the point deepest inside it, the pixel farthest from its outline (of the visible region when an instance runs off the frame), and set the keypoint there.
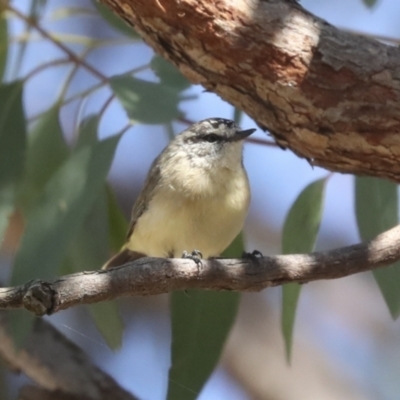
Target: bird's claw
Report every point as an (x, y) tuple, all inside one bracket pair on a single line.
[(195, 255), (254, 255)]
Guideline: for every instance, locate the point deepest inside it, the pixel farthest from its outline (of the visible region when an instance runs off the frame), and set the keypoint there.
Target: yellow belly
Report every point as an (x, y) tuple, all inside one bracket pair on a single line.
[(174, 223)]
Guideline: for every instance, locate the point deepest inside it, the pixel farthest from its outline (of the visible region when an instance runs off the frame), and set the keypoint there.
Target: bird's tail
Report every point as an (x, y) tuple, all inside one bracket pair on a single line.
[(122, 257)]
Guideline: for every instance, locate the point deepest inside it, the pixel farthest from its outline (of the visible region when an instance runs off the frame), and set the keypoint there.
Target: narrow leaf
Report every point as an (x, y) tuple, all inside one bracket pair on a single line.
[(115, 21), (299, 235), (116, 220), (169, 74), (19, 324), (376, 202), (147, 102), (201, 322), (12, 148), (3, 43), (46, 152), (237, 115), (59, 214), (369, 3), (108, 322), (87, 133), (88, 251)]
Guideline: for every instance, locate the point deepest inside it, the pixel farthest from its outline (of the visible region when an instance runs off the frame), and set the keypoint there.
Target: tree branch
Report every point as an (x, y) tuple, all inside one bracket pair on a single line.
[(330, 96), (58, 366), (148, 276)]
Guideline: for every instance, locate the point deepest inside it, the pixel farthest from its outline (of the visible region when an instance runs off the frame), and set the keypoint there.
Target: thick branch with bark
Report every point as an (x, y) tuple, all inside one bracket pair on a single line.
[(329, 96), (148, 276), (62, 370)]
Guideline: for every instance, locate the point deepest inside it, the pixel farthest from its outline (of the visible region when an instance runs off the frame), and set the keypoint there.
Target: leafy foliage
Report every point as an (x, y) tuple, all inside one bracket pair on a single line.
[(299, 235), (146, 102), (73, 221), (3, 43), (46, 152), (115, 21), (377, 211), (201, 321), (61, 210), (12, 148)]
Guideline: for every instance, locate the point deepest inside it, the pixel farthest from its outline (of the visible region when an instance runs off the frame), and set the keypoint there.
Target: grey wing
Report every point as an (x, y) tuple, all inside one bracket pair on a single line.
[(142, 202)]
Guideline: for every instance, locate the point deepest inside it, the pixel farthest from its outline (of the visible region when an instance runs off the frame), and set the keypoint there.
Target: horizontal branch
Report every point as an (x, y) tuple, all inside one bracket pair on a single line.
[(148, 276)]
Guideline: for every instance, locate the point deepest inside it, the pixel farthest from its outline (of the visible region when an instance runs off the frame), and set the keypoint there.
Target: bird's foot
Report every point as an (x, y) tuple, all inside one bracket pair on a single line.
[(195, 255), (254, 255)]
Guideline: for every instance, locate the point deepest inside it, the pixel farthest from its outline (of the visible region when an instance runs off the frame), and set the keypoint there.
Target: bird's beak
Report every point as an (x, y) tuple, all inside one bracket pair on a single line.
[(240, 135)]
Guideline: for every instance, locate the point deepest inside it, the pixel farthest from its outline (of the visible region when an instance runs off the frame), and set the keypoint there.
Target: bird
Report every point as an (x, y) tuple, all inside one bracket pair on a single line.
[(195, 198)]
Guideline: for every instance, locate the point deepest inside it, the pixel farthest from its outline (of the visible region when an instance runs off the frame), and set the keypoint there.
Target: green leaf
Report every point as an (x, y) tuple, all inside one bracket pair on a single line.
[(369, 3), (88, 251), (87, 133), (108, 322), (61, 211), (147, 102), (68, 12), (299, 235), (236, 248), (376, 202), (3, 43), (169, 75), (116, 220), (12, 148), (19, 323), (46, 152), (201, 321), (237, 115), (115, 21)]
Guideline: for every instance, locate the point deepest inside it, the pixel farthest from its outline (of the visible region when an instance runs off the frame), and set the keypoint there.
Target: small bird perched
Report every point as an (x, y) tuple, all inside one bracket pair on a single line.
[(196, 196)]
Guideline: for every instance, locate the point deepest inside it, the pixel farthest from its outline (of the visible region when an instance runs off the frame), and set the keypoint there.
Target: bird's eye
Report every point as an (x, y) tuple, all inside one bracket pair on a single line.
[(212, 138)]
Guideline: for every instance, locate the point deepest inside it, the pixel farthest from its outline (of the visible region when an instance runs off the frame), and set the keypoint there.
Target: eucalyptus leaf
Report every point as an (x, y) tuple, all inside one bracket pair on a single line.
[(19, 323), (116, 221), (12, 148), (108, 322), (115, 21), (3, 43), (89, 251), (61, 211), (201, 322), (299, 236), (46, 152), (87, 132), (146, 102), (376, 203), (369, 3), (169, 74)]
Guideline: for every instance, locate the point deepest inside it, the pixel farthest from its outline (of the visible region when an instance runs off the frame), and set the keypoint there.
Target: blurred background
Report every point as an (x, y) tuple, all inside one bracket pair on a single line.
[(346, 345)]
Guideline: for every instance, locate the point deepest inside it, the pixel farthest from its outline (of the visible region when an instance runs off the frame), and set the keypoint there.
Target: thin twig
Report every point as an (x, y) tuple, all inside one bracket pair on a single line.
[(59, 44), (42, 67)]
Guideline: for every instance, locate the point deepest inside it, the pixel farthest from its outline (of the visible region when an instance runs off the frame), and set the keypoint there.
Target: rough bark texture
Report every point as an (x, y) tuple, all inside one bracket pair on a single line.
[(158, 275), (329, 96)]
